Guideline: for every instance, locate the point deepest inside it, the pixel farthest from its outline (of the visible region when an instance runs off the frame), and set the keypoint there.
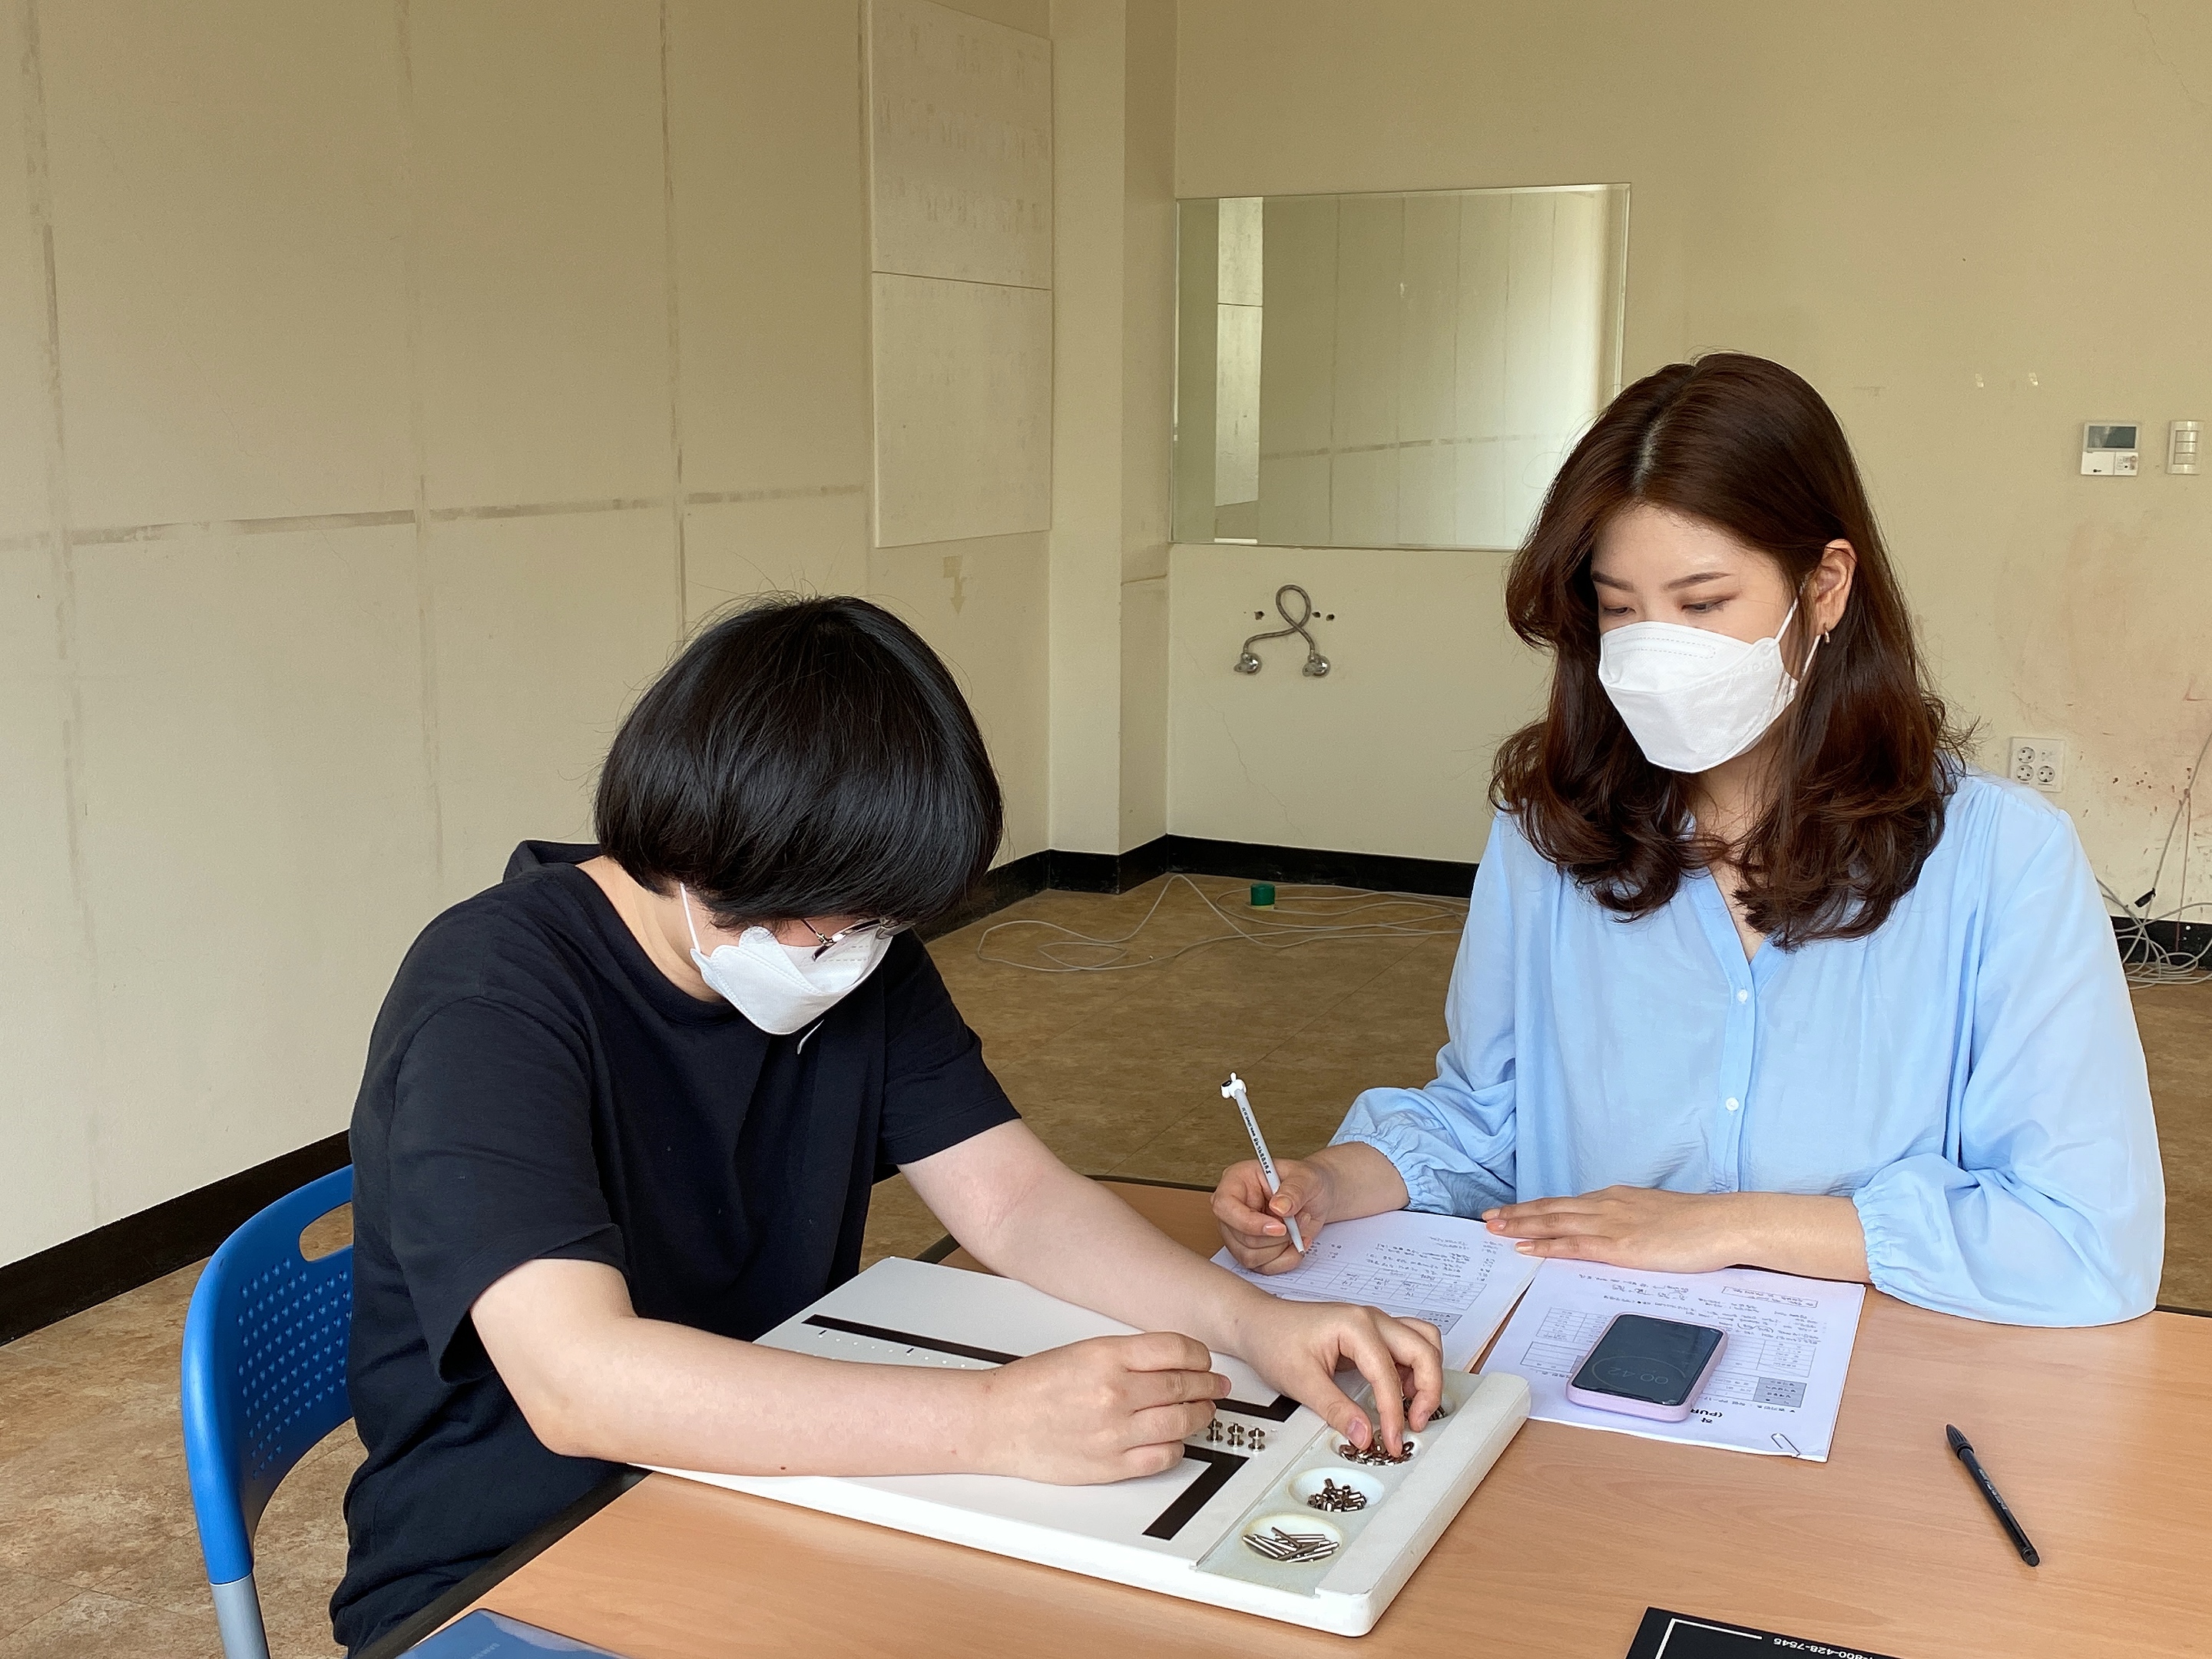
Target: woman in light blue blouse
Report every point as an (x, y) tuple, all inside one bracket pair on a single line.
[(1757, 968)]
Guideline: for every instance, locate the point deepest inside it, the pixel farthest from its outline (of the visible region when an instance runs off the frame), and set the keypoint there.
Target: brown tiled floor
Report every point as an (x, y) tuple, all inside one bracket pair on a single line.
[(1119, 1072), (98, 1552), (2176, 1023)]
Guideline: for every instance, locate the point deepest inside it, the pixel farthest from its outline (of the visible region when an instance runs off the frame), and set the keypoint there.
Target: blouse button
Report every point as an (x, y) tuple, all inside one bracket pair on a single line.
[(1743, 996), (1734, 1103)]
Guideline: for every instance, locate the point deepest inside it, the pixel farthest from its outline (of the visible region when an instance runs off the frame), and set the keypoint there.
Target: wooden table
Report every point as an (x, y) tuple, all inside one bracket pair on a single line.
[(2101, 1439)]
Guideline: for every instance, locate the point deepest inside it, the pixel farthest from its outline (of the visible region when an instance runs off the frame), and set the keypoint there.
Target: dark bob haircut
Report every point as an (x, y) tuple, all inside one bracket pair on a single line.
[(803, 758), (1866, 757)]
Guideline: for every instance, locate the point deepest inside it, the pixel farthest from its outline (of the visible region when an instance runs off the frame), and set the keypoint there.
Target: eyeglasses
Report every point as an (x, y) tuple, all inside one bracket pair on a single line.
[(875, 928)]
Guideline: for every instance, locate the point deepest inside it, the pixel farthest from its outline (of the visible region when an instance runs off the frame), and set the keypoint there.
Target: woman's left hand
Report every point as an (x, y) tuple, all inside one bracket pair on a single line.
[(1630, 1227)]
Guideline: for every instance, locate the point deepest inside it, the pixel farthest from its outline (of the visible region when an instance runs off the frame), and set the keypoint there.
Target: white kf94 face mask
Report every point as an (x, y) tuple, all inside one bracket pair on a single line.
[(779, 986), (1692, 698)]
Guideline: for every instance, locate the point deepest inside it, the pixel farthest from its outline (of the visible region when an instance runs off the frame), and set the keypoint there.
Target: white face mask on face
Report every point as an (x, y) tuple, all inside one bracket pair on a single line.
[(779, 986), (1692, 698)]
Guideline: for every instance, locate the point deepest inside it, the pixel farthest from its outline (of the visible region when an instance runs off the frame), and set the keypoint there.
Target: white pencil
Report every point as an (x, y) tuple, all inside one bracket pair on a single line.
[(1234, 1089)]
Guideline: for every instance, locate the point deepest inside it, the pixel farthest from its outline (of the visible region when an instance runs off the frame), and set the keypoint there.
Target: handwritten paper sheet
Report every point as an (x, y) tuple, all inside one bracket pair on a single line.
[(1451, 1272), (1780, 1380)]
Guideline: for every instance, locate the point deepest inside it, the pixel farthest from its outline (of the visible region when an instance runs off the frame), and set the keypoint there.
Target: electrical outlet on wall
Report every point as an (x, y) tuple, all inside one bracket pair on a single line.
[(2039, 763)]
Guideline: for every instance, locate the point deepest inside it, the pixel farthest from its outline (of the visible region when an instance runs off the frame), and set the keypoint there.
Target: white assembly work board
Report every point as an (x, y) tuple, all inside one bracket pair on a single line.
[(1183, 1532)]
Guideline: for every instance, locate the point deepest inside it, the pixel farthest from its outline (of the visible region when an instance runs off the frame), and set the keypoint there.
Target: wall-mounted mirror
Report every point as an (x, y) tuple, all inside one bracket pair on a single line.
[(1389, 370)]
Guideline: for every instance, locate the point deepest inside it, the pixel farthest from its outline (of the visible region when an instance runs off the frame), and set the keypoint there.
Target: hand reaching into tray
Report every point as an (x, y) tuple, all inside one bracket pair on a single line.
[(1106, 1409), (1300, 1346)]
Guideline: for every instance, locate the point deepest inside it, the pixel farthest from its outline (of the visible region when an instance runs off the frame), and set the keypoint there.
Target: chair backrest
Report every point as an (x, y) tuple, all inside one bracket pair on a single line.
[(265, 1367)]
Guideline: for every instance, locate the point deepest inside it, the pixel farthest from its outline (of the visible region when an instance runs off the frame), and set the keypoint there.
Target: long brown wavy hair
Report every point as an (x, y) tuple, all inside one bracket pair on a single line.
[(1867, 757)]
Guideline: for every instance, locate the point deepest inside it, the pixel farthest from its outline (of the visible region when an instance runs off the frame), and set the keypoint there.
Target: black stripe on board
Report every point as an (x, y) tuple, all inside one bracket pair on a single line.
[(909, 1340), (1278, 1411), (1221, 1468)]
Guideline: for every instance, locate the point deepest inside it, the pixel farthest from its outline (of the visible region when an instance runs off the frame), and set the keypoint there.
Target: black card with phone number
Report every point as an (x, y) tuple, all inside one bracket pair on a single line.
[(1665, 1635)]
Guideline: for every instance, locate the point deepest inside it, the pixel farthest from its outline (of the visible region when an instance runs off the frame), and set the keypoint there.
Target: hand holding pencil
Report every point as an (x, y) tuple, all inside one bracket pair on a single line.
[(1234, 1088), (1269, 1212)]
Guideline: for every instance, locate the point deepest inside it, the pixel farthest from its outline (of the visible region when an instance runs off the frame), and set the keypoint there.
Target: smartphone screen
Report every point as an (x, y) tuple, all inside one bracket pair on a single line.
[(1655, 1360)]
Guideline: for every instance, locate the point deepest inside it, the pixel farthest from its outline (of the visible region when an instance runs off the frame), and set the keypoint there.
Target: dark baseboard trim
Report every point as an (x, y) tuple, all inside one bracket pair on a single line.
[(2180, 944), (1083, 872), (1142, 864), (1192, 855), (1117, 873), (1381, 873), (1008, 884), (81, 1271)]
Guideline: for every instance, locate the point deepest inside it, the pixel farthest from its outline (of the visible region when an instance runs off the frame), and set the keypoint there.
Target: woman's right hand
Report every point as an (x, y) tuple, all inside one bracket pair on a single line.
[(1107, 1409), (1253, 1221)]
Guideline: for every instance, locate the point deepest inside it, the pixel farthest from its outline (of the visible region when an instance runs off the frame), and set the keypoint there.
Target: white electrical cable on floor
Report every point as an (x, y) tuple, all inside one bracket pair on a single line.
[(2148, 962), (1344, 913)]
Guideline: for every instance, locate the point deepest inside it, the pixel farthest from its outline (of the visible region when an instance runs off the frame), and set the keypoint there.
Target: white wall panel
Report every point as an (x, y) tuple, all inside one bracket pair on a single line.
[(960, 145), (961, 176), (964, 410)]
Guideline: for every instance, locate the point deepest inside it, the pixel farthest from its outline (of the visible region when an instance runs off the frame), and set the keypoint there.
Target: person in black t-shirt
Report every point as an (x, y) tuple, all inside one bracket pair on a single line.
[(621, 1114)]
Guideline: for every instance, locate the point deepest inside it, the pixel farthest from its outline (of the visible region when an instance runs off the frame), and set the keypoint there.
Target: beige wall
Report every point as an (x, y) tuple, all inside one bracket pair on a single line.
[(406, 377), (1973, 226), (372, 426), (1113, 407)]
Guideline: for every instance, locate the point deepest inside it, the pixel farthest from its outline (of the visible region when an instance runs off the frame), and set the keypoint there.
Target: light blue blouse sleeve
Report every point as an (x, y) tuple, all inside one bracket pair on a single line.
[(1453, 1141), (2046, 1206)]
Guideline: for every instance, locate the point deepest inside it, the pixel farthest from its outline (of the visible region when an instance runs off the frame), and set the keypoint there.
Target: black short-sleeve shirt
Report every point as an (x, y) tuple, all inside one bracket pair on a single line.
[(536, 1087)]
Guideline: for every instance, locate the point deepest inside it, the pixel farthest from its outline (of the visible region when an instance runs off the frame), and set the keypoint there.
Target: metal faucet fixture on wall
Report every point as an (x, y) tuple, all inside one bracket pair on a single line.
[(1316, 665)]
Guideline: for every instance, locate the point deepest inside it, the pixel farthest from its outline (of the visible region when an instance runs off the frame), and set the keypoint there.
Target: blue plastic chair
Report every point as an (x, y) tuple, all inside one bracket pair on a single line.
[(263, 1380)]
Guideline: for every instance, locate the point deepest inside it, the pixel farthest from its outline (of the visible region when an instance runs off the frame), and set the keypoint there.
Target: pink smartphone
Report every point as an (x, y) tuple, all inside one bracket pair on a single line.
[(1647, 1367)]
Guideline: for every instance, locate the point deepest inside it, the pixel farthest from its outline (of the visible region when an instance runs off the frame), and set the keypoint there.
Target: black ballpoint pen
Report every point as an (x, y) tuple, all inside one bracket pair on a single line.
[(1995, 1499)]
